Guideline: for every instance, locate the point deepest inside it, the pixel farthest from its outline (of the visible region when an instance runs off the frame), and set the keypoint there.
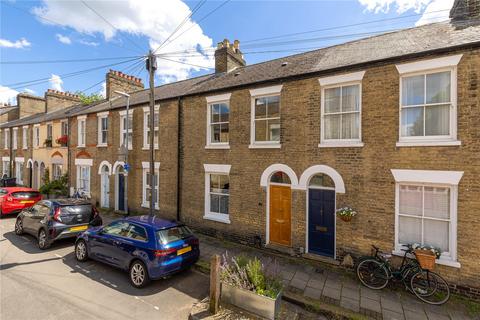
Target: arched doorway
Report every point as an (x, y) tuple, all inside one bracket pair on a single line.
[(35, 175), (42, 174), (322, 183), (119, 188), (280, 209), (105, 186), (30, 173)]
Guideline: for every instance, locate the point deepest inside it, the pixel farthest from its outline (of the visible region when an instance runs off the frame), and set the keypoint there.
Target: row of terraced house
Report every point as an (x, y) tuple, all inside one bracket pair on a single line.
[(265, 154)]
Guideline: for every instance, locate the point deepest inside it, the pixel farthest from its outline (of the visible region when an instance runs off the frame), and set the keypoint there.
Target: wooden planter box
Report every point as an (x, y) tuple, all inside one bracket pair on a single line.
[(250, 301)]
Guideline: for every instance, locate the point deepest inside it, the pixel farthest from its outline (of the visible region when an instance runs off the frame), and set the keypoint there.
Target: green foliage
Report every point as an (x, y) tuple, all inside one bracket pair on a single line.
[(89, 98), (255, 275), (57, 187)]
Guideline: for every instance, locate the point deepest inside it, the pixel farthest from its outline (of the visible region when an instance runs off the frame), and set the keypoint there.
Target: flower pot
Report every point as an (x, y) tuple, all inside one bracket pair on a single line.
[(250, 301), (346, 218)]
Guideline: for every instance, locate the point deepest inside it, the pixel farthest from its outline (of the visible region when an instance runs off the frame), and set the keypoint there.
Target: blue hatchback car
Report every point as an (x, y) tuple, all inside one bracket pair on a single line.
[(148, 247)]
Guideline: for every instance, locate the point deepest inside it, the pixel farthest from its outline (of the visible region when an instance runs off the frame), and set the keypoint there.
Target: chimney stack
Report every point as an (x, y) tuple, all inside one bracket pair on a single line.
[(56, 100), (465, 13), (228, 56), (119, 81), (29, 104)]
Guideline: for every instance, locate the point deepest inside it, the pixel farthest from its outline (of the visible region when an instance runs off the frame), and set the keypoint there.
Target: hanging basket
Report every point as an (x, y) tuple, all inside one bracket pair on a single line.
[(346, 218), (425, 258)]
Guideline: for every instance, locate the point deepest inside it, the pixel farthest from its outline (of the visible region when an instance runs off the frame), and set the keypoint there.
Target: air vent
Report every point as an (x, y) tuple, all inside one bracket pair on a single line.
[(284, 64)]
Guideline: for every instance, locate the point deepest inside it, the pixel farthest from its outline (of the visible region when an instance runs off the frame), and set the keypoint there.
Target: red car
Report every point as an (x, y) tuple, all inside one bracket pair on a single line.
[(15, 199)]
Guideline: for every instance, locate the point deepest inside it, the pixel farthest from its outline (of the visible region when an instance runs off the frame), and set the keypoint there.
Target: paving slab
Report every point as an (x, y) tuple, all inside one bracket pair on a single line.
[(391, 315), (392, 305), (316, 283), (350, 304), (301, 275), (287, 275), (369, 293), (331, 293), (436, 316), (312, 293), (351, 293), (370, 305), (298, 284), (415, 315)]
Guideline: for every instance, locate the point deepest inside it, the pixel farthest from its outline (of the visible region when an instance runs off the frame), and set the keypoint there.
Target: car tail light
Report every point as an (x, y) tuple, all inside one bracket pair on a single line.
[(9, 199), (56, 215), (194, 242), (95, 211), (165, 252)]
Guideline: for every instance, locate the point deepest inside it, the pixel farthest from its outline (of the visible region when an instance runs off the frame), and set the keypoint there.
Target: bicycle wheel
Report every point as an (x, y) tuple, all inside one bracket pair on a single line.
[(430, 287), (372, 274)]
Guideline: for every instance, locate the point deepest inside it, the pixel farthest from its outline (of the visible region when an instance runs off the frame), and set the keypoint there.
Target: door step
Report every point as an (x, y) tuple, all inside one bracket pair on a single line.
[(280, 248), (321, 258)]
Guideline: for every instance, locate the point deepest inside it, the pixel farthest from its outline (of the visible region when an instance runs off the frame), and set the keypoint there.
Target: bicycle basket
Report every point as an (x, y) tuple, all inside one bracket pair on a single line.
[(425, 258)]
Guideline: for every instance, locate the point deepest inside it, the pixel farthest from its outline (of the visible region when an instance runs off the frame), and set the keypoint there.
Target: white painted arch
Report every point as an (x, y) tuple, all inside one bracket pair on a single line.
[(29, 163), (105, 163), (116, 164), (268, 172), (316, 169)]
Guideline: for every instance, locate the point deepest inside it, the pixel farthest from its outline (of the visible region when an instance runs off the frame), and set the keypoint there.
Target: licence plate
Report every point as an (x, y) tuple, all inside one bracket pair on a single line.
[(27, 201), (184, 250), (79, 228)]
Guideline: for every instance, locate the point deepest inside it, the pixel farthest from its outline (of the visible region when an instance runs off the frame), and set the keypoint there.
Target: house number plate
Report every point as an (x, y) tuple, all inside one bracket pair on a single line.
[(321, 229)]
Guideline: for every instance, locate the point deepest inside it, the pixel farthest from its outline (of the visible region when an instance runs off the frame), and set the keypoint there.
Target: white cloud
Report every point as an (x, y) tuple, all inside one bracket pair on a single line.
[(19, 44), (56, 82), (63, 39), (8, 95), (433, 10), (89, 43), (30, 91), (152, 19), (103, 92)]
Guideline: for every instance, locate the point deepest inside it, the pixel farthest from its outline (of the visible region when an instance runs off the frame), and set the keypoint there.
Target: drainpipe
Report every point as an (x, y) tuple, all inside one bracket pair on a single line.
[(69, 165), (179, 148)]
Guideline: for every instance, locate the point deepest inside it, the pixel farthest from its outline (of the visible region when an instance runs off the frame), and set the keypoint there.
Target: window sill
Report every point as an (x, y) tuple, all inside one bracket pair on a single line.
[(341, 145), (147, 205), (445, 262), (217, 217), (102, 145), (265, 146), (217, 146), (81, 146), (147, 148), (440, 143)]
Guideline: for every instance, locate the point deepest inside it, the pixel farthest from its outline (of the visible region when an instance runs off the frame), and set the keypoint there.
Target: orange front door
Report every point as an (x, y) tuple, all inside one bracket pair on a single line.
[(280, 214)]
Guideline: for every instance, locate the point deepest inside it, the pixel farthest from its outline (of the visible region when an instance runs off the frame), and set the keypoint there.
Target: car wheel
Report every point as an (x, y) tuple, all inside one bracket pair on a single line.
[(81, 251), (139, 274), (19, 226), (43, 242)]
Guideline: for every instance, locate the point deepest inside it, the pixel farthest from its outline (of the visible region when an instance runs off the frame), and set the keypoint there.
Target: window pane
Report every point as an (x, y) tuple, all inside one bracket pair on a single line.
[(224, 204), (412, 122), (413, 90), (224, 112), (224, 132), (332, 126), (261, 130), (410, 200), (437, 120), (410, 230), (322, 180), (280, 177), (260, 108), (215, 113), (155, 137), (332, 100), (215, 132), (350, 125), (224, 183), (274, 130), (438, 87), (436, 234), (214, 203), (351, 98), (214, 183), (273, 107), (437, 202)]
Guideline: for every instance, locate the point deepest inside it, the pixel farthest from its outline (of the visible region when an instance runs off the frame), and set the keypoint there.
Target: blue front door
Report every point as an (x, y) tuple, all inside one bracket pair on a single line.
[(321, 222), (121, 192)]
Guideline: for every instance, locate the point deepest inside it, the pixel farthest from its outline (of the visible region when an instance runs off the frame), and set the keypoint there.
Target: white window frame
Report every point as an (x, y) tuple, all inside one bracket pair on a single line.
[(263, 93), (424, 67), (338, 81), (100, 117), (83, 164), (19, 173), (146, 127), (145, 179), (211, 100), (123, 115), (25, 137), (6, 138), (62, 124), (82, 137), (436, 178), (14, 138), (36, 136), (222, 169), (53, 170), (6, 168)]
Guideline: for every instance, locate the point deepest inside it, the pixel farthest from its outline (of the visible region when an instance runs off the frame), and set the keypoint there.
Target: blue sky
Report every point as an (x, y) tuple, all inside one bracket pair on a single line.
[(66, 30)]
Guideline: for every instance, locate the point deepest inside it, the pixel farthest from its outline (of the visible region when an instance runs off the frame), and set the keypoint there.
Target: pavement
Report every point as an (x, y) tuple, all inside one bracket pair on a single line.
[(51, 284), (318, 283)]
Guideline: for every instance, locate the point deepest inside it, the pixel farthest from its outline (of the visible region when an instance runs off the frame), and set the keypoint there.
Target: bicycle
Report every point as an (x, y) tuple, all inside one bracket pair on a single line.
[(376, 271), (80, 194)]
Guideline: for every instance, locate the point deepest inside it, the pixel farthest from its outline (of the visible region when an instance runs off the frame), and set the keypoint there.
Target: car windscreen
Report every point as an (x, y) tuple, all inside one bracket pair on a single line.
[(26, 194), (84, 209), (173, 234)]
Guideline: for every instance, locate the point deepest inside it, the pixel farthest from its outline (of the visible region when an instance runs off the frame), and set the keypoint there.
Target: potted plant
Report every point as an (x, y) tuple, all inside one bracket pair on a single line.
[(48, 142), (346, 213), (62, 141), (251, 285), (426, 255)]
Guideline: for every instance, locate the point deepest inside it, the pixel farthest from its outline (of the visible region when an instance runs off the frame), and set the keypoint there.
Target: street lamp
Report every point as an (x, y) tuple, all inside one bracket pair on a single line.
[(126, 143)]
